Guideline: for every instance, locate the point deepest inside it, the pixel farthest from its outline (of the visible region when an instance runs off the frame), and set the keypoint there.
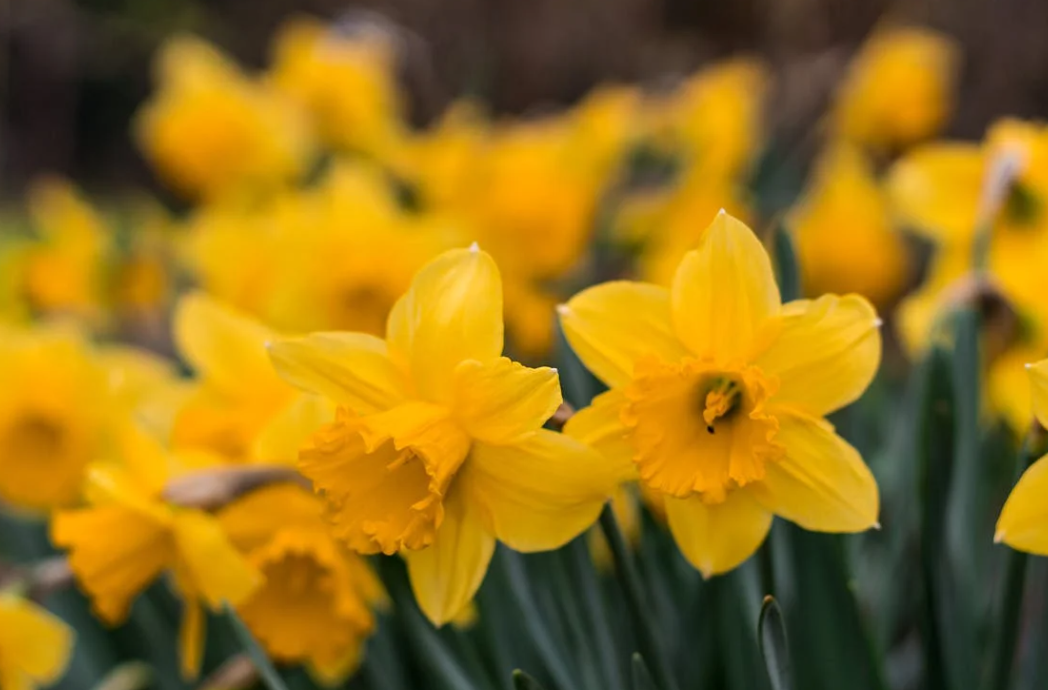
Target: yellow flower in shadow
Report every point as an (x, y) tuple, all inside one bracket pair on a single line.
[(718, 394), (1023, 523), (438, 450)]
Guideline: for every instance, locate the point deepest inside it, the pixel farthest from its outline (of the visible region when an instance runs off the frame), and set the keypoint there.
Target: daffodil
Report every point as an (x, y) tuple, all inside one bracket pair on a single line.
[(842, 221), (1023, 523), (437, 450), (718, 394), (127, 536), (211, 130), (35, 646), (316, 604), (56, 410), (345, 80), (898, 90)]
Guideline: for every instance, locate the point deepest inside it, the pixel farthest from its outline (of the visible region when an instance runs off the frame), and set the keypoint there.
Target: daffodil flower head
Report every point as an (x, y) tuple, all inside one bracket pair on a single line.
[(35, 646), (718, 393), (438, 448), (1023, 523)]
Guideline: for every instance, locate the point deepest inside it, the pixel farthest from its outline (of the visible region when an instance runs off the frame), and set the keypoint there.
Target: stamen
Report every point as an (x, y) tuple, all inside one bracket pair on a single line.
[(721, 399)]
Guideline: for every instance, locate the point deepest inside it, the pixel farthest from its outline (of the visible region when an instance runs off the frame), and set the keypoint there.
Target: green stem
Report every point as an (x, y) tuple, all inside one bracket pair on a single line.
[(647, 634), (1002, 658)]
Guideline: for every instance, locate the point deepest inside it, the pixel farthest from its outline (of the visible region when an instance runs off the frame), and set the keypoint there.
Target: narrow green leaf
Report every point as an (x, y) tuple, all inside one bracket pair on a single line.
[(266, 671), (771, 633), (522, 681), (787, 270), (642, 679)]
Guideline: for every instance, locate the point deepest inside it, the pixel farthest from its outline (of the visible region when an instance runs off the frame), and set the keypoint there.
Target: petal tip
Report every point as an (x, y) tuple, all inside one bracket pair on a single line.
[(998, 536), (722, 212), (876, 525), (1028, 365), (563, 309), (474, 248), (878, 322)]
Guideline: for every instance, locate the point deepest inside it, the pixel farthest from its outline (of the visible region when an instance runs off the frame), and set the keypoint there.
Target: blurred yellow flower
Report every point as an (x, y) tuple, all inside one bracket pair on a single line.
[(718, 393), (345, 79), (1023, 523), (316, 604), (127, 536), (35, 646), (898, 90), (64, 270), (55, 411), (844, 233), (437, 449), (210, 130)]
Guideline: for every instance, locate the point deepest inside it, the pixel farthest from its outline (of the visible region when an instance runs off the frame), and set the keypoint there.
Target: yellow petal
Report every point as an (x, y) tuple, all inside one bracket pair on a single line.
[(1039, 385), (821, 483), (724, 291), (451, 313), (210, 561), (1023, 524), (825, 354), (191, 638), (33, 641), (224, 347), (289, 430), (715, 538), (600, 427), (252, 520), (612, 325), (935, 190), (541, 493), (446, 575), (500, 401), (353, 369)]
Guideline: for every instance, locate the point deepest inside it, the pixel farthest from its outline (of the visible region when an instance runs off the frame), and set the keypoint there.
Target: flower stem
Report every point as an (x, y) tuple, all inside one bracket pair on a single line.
[(1002, 657), (650, 646)]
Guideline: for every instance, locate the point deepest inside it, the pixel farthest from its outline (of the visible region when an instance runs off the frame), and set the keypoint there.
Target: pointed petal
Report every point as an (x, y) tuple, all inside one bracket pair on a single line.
[(215, 568), (289, 430), (1023, 524), (224, 347), (34, 641), (600, 427), (446, 575), (821, 483), (353, 369), (935, 190), (826, 352), (191, 637), (451, 313), (612, 325), (715, 538), (541, 493), (1039, 385), (500, 401), (723, 291)]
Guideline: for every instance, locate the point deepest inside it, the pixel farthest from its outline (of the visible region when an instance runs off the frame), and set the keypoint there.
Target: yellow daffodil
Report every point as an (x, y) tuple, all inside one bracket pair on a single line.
[(127, 536), (718, 393), (35, 646), (437, 450), (1023, 523), (210, 130), (844, 233), (898, 90), (64, 270), (316, 604), (56, 406), (346, 81)]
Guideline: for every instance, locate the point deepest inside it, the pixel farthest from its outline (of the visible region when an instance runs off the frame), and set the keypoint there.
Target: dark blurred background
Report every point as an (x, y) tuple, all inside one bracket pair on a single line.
[(73, 71)]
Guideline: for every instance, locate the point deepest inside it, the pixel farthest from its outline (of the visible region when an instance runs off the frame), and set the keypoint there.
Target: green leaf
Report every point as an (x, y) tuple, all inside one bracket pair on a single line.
[(522, 681), (642, 679), (787, 270), (266, 671), (771, 634)]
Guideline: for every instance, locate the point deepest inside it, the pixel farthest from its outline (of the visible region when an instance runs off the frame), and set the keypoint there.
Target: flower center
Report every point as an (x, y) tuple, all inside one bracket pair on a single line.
[(699, 429), (34, 438)]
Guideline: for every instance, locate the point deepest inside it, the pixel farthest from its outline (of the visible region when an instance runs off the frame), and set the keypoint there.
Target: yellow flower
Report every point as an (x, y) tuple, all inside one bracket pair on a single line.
[(845, 238), (1023, 523), (35, 646), (210, 130), (345, 81), (55, 410), (437, 449), (718, 393), (127, 536), (316, 604), (64, 270), (898, 90)]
